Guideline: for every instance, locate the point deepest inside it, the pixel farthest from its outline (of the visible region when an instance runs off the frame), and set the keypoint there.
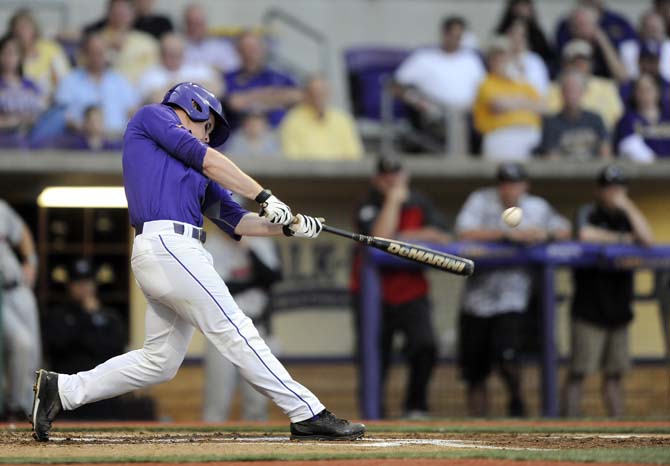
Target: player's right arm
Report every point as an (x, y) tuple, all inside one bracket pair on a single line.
[(224, 171)]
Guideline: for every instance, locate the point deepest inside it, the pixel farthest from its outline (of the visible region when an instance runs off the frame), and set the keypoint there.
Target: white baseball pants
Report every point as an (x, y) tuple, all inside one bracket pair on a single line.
[(184, 292)]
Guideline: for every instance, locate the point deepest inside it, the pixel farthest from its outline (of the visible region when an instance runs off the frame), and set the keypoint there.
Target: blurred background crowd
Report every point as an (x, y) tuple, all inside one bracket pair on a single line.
[(596, 86), (593, 87)]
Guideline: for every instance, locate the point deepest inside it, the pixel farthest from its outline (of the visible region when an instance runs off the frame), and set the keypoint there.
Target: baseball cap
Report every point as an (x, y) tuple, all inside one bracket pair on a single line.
[(388, 164), (81, 269), (511, 172), (577, 48), (612, 175)]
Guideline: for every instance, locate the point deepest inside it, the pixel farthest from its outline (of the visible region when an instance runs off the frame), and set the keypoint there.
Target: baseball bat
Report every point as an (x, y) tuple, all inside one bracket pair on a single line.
[(436, 259)]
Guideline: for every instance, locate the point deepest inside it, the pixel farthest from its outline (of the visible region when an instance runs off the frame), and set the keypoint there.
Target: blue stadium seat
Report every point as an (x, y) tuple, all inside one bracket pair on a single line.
[(367, 67)]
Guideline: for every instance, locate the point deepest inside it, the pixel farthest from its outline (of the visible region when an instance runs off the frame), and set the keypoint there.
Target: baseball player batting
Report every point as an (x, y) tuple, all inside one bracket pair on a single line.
[(171, 178)]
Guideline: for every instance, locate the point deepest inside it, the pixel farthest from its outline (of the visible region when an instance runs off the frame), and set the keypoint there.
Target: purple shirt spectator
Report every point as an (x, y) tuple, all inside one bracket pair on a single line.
[(22, 98), (616, 26), (656, 136), (255, 87), (239, 81)]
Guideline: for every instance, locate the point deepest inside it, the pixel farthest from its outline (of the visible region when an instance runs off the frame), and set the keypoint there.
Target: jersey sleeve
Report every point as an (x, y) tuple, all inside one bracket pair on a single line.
[(220, 207), (11, 223), (171, 135)]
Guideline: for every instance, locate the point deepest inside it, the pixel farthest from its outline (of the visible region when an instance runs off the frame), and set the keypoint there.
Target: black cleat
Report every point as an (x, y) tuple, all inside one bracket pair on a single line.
[(326, 426), (46, 404)]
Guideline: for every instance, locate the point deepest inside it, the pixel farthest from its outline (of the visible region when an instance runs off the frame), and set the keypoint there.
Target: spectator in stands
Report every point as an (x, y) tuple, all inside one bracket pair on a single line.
[(129, 52), (20, 99), (315, 130), (250, 268), (254, 138), (495, 300), (537, 41), (95, 84), (662, 7), (147, 21), (394, 210), (603, 30), (447, 76), (615, 26), (255, 86), (526, 65), (649, 62), (218, 53), (44, 61), (652, 36), (507, 112), (643, 133), (574, 133), (601, 95), (602, 299), (92, 136), (155, 82)]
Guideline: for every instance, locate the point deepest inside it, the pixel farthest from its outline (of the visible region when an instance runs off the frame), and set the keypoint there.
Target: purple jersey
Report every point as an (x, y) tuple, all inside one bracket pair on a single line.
[(239, 81), (656, 136), (162, 174)]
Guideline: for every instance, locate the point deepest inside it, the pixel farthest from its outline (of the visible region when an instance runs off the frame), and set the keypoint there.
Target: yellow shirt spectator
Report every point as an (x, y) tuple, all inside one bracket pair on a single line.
[(306, 135), (47, 65), (600, 96), (494, 87), (131, 53)]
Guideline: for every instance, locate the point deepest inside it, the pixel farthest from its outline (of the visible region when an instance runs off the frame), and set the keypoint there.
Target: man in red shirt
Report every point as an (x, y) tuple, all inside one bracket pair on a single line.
[(393, 210)]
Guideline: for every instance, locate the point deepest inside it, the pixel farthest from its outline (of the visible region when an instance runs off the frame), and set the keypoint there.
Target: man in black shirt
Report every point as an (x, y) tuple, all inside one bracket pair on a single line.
[(602, 300)]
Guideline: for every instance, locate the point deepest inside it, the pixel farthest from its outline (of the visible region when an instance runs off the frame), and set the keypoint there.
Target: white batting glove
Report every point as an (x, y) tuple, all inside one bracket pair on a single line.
[(273, 209), (305, 227)]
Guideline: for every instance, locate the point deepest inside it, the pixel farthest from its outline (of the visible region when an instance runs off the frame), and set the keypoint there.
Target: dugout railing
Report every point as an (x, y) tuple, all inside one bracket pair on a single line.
[(545, 259)]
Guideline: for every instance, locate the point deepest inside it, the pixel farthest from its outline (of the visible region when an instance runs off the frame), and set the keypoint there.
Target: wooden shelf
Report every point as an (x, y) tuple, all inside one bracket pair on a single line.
[(82, 243)]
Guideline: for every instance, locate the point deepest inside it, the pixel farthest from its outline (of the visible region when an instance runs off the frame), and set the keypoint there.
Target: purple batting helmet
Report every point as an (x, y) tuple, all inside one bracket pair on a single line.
[(198, 102)]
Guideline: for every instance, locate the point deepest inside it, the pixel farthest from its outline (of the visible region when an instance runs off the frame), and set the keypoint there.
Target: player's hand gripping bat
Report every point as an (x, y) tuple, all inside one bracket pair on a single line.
[(436, 259)]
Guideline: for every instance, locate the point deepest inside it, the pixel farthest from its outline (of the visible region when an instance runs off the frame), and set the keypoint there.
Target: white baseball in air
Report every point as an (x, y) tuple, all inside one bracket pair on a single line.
[(512, 216)]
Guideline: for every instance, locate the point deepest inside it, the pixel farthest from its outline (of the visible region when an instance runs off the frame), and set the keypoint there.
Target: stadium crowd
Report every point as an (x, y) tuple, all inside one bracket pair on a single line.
[(600, 88)]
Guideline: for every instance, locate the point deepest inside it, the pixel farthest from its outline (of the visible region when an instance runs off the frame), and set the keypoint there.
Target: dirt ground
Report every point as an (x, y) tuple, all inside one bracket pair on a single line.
[(126, 445), (379, 462)]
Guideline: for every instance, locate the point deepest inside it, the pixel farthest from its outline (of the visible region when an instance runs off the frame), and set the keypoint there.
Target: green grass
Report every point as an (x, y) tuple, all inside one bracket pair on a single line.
[(609, 455)]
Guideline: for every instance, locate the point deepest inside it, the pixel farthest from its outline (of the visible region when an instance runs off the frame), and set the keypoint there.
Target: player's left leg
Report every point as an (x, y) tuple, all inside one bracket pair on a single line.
[(165, 345)]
